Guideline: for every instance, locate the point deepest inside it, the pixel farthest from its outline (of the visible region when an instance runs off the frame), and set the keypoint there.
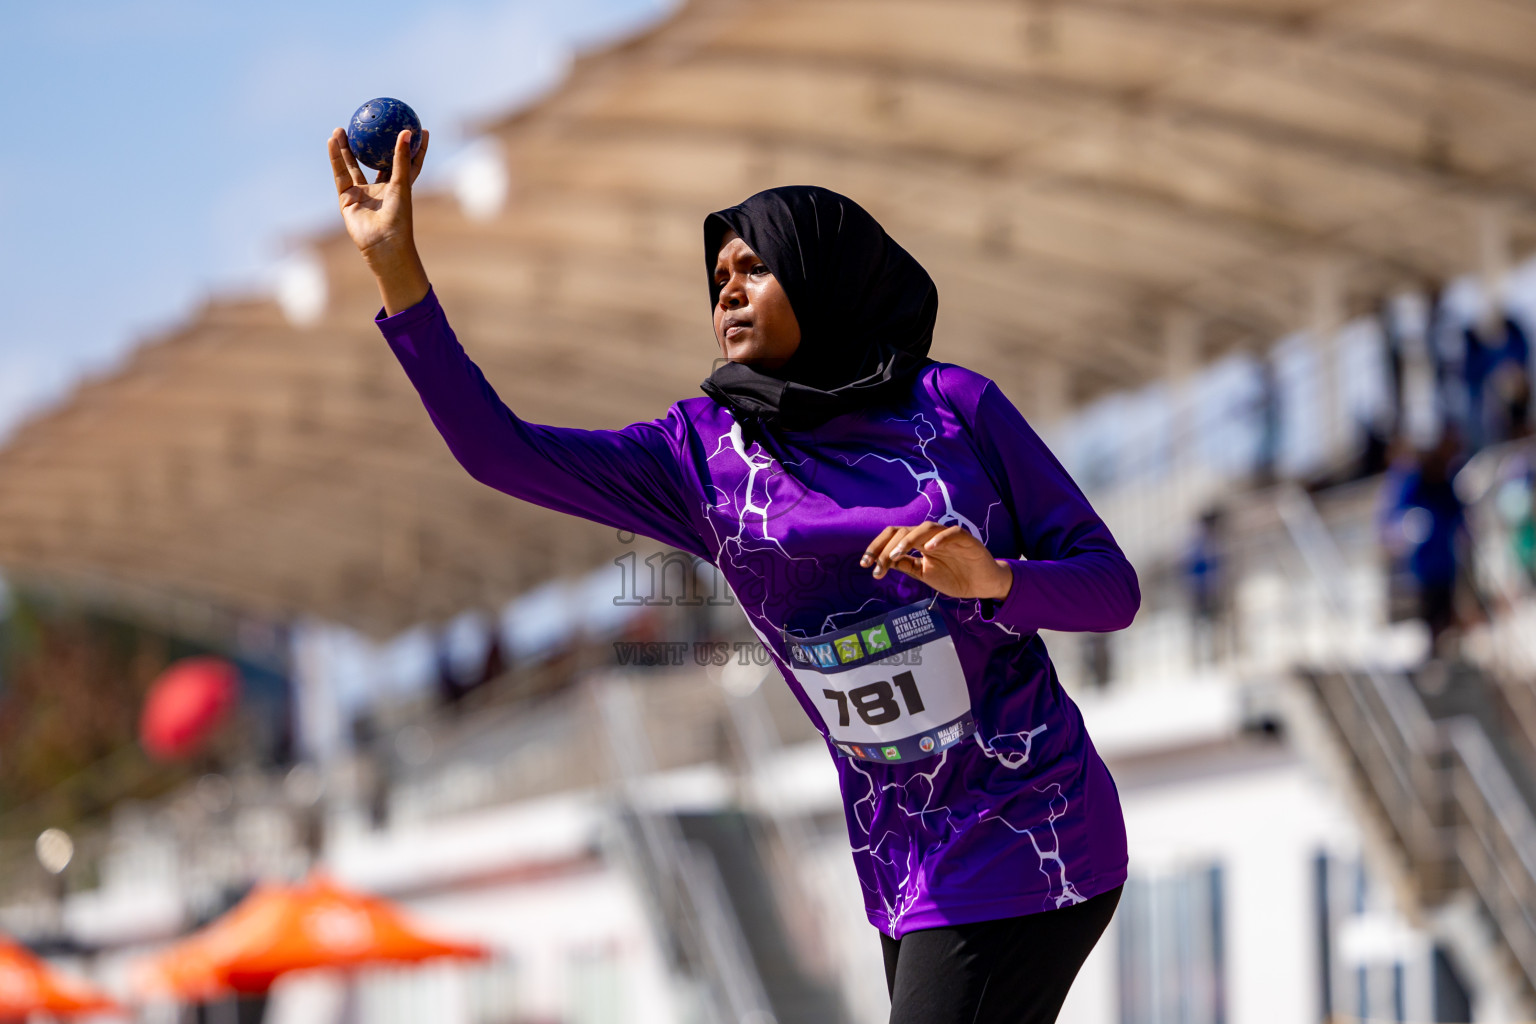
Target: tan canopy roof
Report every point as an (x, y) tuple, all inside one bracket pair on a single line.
[(1078, 176)]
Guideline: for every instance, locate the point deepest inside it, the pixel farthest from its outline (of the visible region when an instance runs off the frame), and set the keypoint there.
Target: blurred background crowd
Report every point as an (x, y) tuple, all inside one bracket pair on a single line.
[(300, 725)]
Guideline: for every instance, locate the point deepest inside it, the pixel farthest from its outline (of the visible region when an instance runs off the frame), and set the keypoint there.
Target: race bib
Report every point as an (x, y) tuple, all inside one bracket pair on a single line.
[(889, 688)]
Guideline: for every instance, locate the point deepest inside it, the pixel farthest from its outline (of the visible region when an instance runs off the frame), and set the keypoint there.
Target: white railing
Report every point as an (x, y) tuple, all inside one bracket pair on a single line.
[(690, 907), (1439, 784)]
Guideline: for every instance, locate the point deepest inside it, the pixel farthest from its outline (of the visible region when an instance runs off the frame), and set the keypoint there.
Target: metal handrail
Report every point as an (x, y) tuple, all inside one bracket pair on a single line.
[(1405, 737), (690, 901), (791, 856), (1502, 864), (1476, 485), (1495, 832)]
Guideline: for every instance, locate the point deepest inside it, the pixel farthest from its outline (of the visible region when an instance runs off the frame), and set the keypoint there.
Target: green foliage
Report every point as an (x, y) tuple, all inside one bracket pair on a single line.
[(74, 684)]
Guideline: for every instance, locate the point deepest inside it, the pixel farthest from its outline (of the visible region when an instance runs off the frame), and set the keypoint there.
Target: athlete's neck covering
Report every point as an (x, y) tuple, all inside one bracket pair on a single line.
[(866, 308)]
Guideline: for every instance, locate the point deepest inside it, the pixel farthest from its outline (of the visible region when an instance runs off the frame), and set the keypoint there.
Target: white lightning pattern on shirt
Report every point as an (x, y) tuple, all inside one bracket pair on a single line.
[(755, 502), (1057, 808), (757, 462), (950, 516), (907, 893), (1010, 760)]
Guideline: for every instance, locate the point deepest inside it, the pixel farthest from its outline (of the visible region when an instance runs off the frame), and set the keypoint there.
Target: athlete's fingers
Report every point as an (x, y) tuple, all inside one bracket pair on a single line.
[(920, 533), (399, 169), (910, 564), (338, 168), (918, 555), (899, 544), (348, 159), (894, 546), (886, 553), (903, 542), (871, 552), (920, 536), (942, 537), (912, 541), (421, 154), (344, 168)]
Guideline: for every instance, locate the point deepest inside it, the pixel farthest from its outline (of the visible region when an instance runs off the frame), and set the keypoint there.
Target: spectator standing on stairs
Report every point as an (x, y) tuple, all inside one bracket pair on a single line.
[(1497, 380), (1205, 573), (1425, 528)]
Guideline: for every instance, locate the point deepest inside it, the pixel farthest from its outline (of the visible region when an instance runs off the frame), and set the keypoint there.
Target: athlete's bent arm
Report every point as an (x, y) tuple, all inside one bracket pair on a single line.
[(1074, 577), (629, 478)]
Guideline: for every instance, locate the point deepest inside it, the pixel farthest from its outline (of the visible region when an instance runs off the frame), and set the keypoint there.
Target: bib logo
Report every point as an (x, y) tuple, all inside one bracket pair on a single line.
[(825, 656), (848, 648), (913, 625), (876, 639), (950, 733), (891, 753), (925, 744)]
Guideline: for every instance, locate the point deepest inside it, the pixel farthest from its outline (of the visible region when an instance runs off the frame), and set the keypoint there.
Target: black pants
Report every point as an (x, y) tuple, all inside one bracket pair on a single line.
[(1013, 971)]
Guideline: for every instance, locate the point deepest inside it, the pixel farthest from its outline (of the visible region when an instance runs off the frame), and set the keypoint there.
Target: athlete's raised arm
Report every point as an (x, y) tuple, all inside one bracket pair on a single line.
[(631, 479)]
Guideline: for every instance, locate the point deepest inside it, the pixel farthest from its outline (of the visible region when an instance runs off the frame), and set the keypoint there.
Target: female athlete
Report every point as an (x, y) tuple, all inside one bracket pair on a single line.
[(896, 535)]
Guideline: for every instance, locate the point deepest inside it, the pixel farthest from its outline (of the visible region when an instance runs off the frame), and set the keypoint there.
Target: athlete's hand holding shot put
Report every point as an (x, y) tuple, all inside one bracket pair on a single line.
[(827, 451), (378, 218)]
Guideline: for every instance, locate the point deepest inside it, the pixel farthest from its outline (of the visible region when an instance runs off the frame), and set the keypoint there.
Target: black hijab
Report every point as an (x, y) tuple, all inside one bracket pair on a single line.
[(866, 308)]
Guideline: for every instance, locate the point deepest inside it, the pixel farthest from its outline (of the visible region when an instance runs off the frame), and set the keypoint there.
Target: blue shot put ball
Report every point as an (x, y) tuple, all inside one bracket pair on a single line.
[(373, 129)]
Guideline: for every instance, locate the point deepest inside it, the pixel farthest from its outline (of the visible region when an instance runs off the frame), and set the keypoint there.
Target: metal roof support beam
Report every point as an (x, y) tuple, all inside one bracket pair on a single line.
[(1326, 314), (1494, 250), (1181, 357)]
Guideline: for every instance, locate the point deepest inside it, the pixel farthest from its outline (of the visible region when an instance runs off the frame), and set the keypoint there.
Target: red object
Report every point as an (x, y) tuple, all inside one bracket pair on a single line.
[(28, 985), (278, 930), (189, 701)]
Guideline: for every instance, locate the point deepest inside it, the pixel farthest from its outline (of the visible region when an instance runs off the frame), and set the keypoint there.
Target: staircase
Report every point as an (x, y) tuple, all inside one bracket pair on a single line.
[(1441, 765), (735, 843), (714, 904)]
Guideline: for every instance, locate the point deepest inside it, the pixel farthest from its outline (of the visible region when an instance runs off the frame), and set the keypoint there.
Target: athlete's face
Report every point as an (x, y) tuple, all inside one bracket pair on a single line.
[(754, 322)]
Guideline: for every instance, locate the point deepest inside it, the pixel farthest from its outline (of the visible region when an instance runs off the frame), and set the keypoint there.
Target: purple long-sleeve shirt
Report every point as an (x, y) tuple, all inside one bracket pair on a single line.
[(1020, 815)]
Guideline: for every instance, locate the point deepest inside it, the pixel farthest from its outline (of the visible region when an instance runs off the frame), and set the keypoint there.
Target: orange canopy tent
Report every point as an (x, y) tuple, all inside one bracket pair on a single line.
[(280, 929), (193, 969), (28, 985)]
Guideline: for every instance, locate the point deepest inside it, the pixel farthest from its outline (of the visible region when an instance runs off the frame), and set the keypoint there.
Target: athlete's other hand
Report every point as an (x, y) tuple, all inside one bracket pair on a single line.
[(378, 217), (947, 558)]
